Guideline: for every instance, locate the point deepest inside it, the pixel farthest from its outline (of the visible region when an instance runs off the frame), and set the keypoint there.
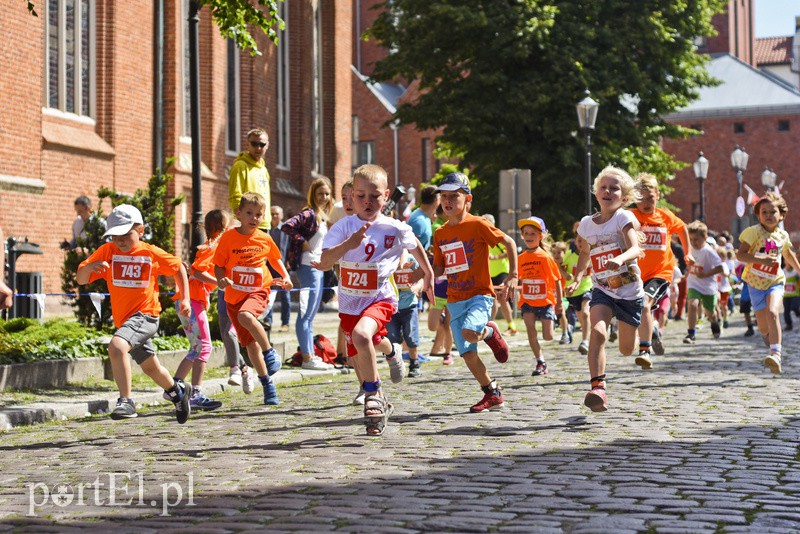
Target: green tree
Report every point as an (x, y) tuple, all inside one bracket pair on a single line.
[(502, 79), (235, 18)]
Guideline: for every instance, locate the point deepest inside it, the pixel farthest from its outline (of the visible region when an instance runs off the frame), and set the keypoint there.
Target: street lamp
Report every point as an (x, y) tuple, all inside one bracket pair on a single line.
[(768, 179), (701, 173), (587, 114), (739, 163)]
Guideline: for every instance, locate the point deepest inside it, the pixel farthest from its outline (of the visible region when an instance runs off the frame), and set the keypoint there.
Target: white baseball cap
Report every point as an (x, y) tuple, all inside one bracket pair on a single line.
[(121, 220)]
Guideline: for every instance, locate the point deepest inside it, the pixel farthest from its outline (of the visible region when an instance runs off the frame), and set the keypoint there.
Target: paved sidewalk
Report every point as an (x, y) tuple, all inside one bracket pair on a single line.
[(706, 441)]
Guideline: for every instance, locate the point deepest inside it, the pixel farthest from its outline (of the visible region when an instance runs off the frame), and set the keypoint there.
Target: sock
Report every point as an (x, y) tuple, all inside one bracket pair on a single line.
[(775, 347), (645, 345), (371, 387), (264, 380), (489, 332), (691, 331), (176, 391), (599, 381), (539, 360), (491, 388), (512, 325), (391, 354)]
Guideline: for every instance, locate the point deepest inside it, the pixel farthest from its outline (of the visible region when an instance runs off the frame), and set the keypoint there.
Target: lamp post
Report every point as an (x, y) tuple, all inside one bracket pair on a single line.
[(701, 173), (769, 179), (739, 163), (587, 114)]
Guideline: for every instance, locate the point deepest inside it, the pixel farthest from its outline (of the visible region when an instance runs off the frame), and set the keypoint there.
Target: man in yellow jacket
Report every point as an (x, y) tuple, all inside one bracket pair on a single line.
[(249, 173)]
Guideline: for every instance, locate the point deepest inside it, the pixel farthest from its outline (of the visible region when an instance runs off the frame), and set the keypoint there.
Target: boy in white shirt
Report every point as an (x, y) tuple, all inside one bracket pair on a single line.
[(701, 280)]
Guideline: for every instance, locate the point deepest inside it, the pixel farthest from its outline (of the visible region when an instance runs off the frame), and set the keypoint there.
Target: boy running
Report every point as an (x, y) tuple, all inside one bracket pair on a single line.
[(657, 264), (702, 283), (240, 268), (461, 251), (368, 247), (131, 269)]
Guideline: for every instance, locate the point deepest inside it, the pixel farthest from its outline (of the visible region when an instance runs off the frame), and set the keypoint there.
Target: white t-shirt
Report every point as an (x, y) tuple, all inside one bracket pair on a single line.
[(365, 271), (705, 259), (315, 244), (724, 279), (607, 240)]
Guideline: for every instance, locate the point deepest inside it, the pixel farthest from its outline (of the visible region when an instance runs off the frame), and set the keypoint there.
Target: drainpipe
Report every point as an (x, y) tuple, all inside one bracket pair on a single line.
[(158, 89), (395, 126)]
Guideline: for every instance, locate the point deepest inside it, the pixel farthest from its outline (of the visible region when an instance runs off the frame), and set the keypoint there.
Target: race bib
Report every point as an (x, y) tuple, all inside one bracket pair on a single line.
[(655, 238), (247, 279), (534, 290), (600, 255), (358, 279), (765, 271), (455, 258), (131, 271), (790, 288), (403, 278), (696, 269)]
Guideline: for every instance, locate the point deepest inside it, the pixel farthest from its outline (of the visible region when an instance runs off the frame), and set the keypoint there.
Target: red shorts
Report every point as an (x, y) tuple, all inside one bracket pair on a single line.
[(254, 303), (723, 299), (380, 312)]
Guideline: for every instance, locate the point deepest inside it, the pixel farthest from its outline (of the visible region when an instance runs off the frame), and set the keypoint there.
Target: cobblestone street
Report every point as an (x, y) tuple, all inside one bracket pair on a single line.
[(707, 440)]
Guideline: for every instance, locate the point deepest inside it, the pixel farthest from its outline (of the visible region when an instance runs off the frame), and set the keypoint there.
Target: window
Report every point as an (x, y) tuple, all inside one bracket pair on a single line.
[(233, 132), (738, 127), (698, 127), (426, 153), (366, 152), (282, 140), (70, 42), (316, 88), (783, 126), (354, 126)]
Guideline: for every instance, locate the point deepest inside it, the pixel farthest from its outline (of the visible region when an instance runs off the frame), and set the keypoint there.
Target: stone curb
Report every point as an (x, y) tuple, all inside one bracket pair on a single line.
[(101, 402)]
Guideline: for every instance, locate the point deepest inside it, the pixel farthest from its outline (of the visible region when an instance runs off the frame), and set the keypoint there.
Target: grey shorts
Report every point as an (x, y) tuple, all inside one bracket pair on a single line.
[(138, 331)]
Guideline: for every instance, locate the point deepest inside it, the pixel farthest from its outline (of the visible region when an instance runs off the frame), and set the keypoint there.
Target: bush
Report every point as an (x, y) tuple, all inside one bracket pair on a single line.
[(26, 340)]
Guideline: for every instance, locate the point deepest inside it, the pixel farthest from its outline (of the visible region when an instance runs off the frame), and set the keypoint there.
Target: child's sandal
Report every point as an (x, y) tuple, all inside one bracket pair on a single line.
[(377, 410)]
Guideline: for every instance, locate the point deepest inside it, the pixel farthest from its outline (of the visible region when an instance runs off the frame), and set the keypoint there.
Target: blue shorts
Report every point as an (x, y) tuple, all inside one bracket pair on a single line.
[(627, 311), (404, 326), (541, 312), (759, 296), (471, 314)]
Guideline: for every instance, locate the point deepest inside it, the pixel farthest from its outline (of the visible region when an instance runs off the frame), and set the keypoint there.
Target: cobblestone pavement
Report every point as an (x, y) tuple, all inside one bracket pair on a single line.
[(706, 441)]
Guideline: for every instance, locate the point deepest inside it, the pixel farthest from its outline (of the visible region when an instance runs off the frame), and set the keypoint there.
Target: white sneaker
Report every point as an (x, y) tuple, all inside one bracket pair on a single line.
[(316, 364), (397, 367), (583, 348), (564, 338), (248, 380), (235, 377)]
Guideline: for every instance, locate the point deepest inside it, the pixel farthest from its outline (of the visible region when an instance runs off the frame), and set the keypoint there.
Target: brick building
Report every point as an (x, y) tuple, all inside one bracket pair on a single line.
[(81, 108), (756, 106)]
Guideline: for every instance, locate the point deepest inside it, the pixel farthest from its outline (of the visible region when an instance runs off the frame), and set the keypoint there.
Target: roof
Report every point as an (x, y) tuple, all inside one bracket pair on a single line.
[(773, 50), (743, 91), (387, 93)]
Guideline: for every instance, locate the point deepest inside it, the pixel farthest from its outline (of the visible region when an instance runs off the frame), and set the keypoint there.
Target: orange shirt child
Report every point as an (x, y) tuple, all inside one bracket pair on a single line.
[(243, 257), (463, 249), (204, 263), (538, 276), (657, 227), (132, 278)]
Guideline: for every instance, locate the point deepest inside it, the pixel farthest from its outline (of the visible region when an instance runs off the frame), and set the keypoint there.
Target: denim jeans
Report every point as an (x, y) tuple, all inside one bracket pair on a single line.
[(310, 298)]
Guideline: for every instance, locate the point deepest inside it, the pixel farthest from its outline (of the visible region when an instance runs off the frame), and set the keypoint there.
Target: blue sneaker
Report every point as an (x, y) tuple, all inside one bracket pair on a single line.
[(272, 360), (271, 394)]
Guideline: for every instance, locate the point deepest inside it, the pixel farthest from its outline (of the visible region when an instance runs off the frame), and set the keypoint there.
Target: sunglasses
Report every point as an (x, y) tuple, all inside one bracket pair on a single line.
[(258, 144)]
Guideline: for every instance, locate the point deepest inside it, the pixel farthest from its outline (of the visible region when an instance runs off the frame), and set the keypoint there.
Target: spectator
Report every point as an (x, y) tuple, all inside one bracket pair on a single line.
[(306, 231), (249, 173), (83, 208), (282, 240)]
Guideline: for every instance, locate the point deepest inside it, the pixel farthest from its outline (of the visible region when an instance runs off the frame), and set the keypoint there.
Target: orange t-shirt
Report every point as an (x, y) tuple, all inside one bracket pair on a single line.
[(538, 276), (244, 259), (133, 277), (658, 261), (463, 251), (203, 262)]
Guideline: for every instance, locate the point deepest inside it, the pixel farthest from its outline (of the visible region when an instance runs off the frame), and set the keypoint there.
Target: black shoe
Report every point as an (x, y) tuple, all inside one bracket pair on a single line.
[(414, 369), (715, 331), (125, 409), (750, 332), (658, 344), (180, 394)]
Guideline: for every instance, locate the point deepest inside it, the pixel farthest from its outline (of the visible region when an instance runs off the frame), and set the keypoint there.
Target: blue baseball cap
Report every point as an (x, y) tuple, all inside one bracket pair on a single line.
[(455, 181)]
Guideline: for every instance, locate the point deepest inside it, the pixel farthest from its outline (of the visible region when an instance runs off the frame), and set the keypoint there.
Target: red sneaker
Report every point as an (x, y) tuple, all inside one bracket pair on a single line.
[(490, 401), (595, 400), (497, 343)]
